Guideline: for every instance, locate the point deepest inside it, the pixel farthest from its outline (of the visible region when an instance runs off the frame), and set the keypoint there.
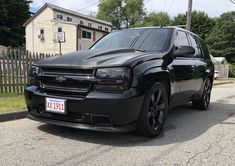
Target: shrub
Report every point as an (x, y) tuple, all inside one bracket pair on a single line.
[(231, 70)]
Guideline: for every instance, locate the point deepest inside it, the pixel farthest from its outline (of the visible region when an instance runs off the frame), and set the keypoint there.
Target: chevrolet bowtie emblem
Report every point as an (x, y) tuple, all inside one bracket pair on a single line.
[(60, 78)]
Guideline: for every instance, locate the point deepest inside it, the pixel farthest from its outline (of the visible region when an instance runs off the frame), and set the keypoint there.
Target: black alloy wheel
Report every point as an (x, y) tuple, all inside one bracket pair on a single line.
[(154, 111), (203, 102)]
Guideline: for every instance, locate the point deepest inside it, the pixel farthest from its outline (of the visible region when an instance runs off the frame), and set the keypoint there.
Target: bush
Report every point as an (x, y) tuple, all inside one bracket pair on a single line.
[(231, 70)]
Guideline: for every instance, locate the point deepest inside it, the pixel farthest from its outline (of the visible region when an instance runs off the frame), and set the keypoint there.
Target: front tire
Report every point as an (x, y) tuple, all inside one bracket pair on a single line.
[(203, 102), (154, 111)]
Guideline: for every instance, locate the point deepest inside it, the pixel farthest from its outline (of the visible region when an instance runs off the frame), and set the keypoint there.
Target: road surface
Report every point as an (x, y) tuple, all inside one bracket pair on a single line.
[(191, 138)]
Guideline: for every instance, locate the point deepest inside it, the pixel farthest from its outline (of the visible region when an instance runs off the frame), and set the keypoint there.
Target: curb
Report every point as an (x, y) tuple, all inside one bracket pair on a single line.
[(221, 83), (13, 115)]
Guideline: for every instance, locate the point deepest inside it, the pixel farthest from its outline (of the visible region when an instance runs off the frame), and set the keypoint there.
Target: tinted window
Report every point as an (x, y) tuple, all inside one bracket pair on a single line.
[(155, 40), (181, 39), (145, 39), (195, 45)]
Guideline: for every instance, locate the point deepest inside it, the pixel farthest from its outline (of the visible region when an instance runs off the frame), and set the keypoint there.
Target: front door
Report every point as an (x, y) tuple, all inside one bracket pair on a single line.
[(183, 86)]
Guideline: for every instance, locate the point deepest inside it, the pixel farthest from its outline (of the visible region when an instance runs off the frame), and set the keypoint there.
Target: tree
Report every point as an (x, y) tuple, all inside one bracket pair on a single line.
[(13, 13), (118, 12), (221, 40), (156, 19), (202, 24)]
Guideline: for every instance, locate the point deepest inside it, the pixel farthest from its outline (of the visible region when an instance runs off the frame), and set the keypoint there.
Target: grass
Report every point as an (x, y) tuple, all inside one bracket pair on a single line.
[(231, 78), (11, 102)]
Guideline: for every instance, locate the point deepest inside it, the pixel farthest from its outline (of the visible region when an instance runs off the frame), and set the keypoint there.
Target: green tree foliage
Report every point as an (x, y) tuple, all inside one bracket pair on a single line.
[(221, 40), (119, 12), (156, 19), (202, 24), (13, 13)]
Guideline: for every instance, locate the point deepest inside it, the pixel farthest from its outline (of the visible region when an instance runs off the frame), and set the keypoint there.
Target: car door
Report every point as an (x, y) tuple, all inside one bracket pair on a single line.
[(182, 72), (201, 68)]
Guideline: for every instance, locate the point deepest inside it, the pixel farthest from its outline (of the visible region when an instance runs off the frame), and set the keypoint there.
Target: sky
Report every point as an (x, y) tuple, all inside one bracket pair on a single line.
[(213, 8)]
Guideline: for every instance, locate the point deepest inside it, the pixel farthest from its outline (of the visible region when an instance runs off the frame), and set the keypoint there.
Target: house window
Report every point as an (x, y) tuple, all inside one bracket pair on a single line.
[(41, 35), (69, 19), (59, 16), (107, 29), (100, 27), (81, 22), (86, 34), (89, 24), (41, 31), (59, 29)]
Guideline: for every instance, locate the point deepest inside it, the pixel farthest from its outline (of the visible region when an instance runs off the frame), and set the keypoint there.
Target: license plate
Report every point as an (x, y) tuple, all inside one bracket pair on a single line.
[(55, 105)]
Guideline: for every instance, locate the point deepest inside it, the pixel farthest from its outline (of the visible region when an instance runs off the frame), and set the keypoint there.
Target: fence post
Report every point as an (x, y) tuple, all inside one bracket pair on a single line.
[(1, 76), (4, 72), (20, 67)]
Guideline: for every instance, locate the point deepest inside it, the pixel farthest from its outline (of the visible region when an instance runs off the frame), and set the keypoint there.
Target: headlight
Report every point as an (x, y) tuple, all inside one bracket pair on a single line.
[(113, 79), (33, 73)]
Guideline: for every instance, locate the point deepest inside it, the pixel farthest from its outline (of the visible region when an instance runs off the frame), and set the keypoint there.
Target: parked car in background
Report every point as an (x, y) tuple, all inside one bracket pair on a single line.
[(217, 74), (126, 81)]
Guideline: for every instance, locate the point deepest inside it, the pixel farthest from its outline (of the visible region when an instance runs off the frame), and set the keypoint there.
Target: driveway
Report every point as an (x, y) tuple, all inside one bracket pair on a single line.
[(190, 138)]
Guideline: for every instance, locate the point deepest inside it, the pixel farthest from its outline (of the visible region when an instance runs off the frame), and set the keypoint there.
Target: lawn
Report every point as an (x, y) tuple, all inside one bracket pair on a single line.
[(11, 102), (233, 79)]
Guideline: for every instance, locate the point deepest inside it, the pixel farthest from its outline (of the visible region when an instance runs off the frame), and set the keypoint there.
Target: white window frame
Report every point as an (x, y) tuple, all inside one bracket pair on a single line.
[(100, 27), (69, 18), (89, 24), (87, 38), (59, 28), (60, 15)]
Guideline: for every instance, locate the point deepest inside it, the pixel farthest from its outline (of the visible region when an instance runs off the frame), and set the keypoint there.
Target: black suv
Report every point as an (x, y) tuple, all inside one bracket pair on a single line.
[(125, 81)]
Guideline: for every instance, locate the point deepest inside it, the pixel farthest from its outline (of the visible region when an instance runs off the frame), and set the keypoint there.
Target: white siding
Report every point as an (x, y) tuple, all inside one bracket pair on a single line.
[(47, 20)]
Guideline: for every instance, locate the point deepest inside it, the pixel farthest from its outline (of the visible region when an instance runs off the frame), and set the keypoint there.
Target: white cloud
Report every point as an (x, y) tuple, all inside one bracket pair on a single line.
[(173, 7)]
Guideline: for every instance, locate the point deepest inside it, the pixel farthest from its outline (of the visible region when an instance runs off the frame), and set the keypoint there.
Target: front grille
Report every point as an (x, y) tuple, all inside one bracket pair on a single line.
[(70, 87), (49, 81), (72, 72), (77, 117)]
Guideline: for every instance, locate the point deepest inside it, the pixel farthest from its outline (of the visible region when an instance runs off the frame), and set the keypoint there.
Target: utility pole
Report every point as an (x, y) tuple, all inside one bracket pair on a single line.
[(189, 15)]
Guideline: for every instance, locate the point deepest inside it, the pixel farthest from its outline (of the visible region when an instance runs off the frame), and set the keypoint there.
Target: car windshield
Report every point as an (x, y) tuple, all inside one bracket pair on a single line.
[(149, 40)]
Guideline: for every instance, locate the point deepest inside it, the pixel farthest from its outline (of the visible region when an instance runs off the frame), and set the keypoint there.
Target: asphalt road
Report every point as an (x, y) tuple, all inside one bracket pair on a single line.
[(191, 137)]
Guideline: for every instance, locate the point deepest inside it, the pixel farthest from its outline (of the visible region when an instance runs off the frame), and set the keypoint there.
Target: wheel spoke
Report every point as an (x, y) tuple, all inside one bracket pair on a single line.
[(150, 114), (158, 96), (154, 123), (160, 118), (153, 98), (157, 109), (161, 106)]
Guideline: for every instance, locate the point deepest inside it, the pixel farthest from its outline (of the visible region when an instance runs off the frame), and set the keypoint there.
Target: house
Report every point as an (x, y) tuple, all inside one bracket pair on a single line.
[(221, 67), (218, 60), (53, 29), (2, 48), (221, 60)]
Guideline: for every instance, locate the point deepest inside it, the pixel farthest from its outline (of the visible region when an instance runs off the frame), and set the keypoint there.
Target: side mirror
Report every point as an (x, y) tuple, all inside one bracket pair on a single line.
[(184, 51)]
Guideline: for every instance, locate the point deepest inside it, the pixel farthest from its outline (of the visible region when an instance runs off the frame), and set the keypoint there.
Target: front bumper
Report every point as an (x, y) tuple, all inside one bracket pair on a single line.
[(96, 111)]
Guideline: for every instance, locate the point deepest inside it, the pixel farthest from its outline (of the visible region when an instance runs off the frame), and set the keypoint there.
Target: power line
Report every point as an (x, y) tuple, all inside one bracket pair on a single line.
[(170, 6), (233, 1), (88, 6)]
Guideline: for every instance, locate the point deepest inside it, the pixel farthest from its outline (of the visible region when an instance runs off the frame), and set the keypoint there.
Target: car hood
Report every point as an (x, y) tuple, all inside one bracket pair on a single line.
[(93, 58)]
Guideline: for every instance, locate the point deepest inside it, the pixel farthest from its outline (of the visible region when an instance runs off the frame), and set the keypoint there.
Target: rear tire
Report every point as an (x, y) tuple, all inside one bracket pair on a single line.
[(203, 102), (154, 111)]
